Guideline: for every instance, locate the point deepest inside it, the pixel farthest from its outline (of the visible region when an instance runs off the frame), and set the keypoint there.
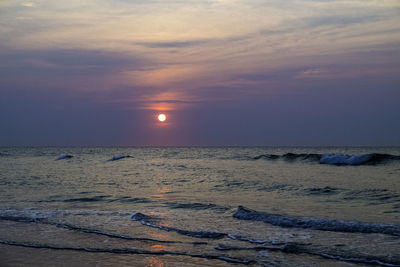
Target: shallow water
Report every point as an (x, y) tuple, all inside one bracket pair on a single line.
[(180, 206)]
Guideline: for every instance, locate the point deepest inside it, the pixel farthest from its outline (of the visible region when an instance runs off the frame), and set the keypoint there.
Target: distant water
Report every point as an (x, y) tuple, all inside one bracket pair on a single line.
[(199, 206)]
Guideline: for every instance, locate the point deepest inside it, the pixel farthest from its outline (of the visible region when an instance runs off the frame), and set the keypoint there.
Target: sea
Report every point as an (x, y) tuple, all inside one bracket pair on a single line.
[(199, 206)]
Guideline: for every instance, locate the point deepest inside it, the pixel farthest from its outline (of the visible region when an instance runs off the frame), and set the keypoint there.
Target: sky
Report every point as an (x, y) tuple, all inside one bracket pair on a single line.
[(225, 72)]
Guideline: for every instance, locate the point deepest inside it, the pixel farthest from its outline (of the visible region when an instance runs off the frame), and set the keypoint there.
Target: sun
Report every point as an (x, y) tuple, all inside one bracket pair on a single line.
[(162, 117)]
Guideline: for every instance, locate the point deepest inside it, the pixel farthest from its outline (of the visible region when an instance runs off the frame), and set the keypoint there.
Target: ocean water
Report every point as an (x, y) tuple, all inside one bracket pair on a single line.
[(194, 206)]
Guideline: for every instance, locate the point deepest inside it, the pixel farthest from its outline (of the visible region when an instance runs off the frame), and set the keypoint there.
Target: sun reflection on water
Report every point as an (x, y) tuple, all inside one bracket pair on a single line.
[(155, 262), (161, 192)]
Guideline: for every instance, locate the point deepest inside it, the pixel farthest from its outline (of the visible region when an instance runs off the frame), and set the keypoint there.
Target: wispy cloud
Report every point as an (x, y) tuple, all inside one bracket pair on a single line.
[(174, 44)]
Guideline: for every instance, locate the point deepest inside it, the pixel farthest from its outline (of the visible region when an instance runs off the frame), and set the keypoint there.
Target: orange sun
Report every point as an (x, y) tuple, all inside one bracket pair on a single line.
[(162, 117)]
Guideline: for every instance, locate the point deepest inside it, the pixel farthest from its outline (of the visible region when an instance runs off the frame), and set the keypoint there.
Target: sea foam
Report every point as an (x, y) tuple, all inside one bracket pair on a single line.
[(332, 159)]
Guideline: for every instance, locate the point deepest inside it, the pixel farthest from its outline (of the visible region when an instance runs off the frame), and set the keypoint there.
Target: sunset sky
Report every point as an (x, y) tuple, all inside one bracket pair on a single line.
[(225, 72)]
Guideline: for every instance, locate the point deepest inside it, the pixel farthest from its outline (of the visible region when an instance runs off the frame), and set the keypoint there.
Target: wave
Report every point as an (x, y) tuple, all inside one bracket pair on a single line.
[(87, 230), (284, 247), (317, 223), (127, 251), (119, 157), (301, 248), (289, 157), (375, 196), (196, 206), (366, 159), (133, 200), (149, 221), (290, 248), (333, 159), (332, 253), (372, 196), (100, 198), (87, 199), (64, 157), (327, 190)]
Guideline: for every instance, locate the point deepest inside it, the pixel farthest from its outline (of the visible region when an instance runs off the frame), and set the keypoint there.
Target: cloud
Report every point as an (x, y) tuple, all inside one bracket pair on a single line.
[(315, 73), (68, 62), (268, 75), (340, 20), (174, 44), (28, 4)]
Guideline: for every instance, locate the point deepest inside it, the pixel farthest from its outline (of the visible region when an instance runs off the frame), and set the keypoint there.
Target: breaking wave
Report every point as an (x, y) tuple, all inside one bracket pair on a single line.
[(119, 157), (299, 248), (22, 219), (285, 247), (333, 159), (64, 157), (296, 248), (149, 221), (317, 223), (127, 251)]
